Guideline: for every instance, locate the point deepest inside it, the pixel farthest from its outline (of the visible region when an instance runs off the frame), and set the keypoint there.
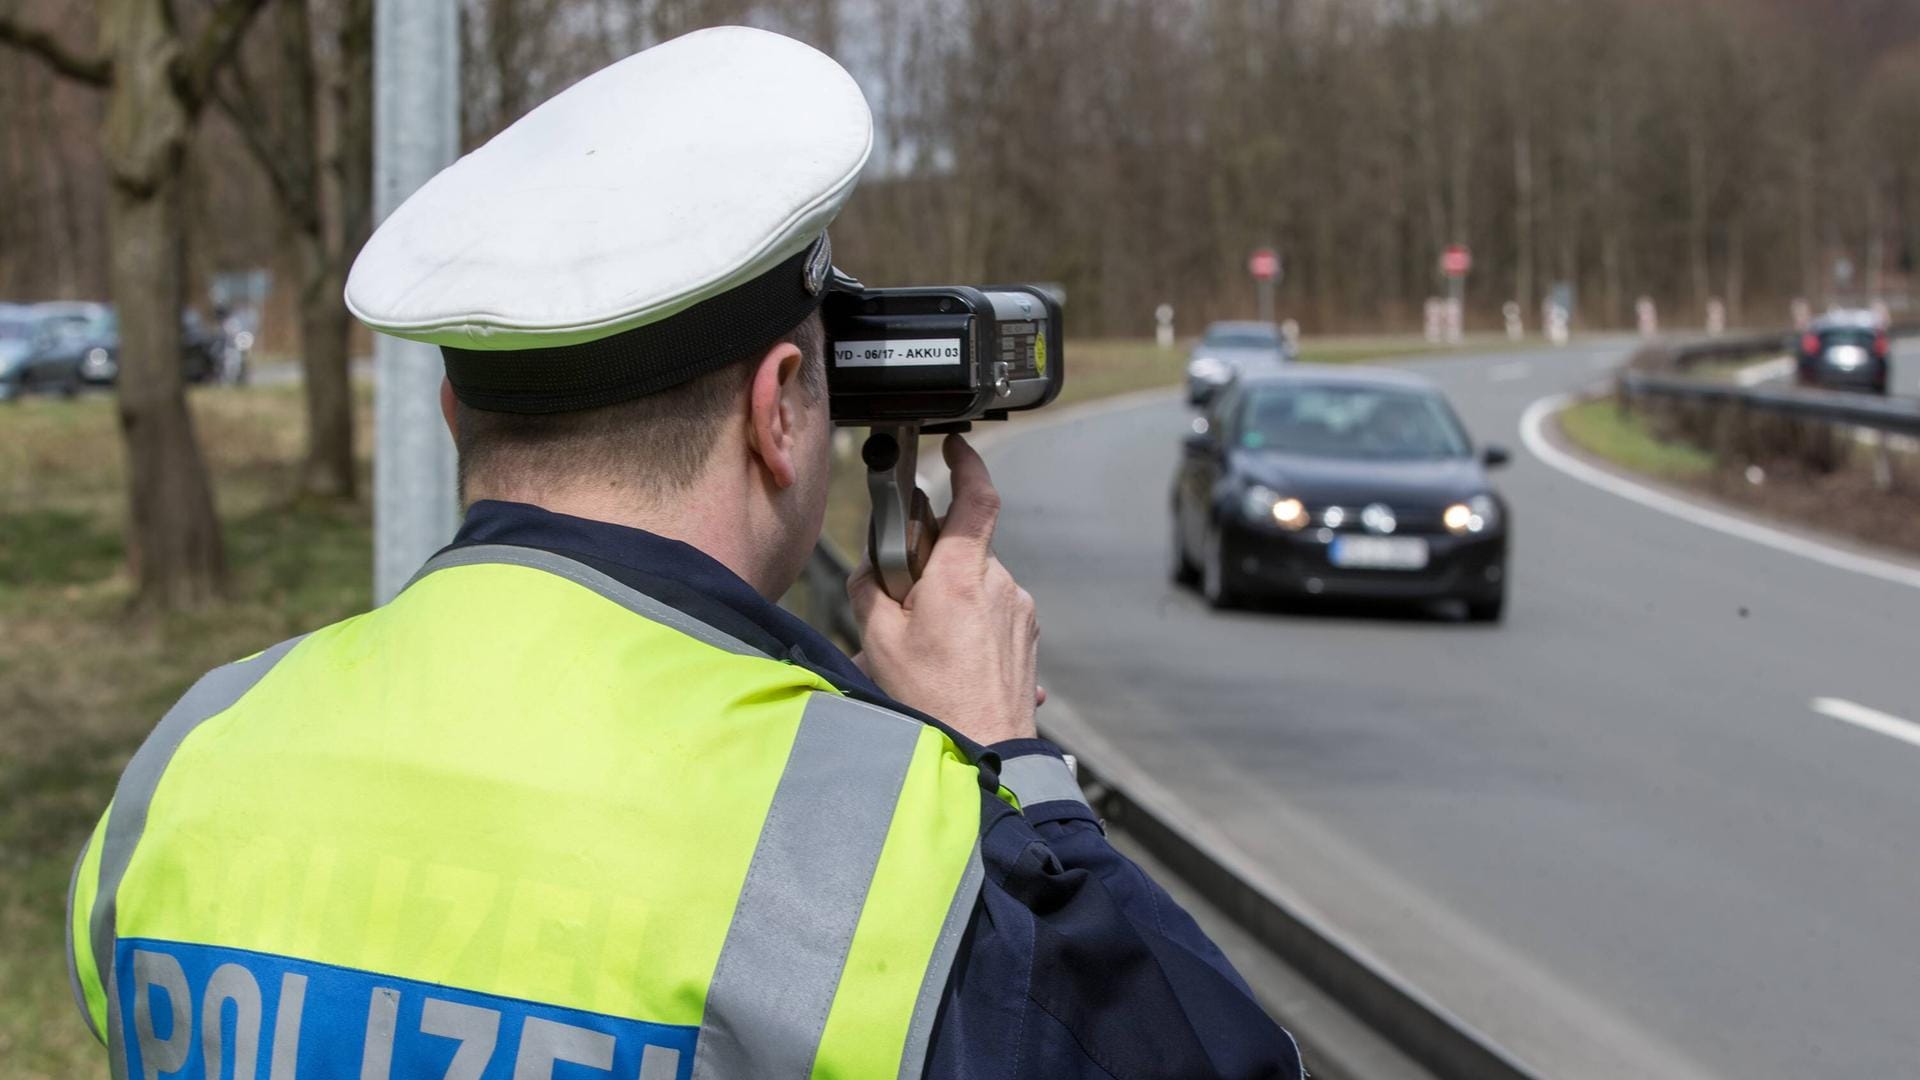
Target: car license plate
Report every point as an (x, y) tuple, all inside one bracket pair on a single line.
[(1378, 552), (1846, 357)]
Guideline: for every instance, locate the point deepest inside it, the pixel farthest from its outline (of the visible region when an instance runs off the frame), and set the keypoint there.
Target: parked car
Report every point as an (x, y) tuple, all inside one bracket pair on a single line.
[(202, 348), (1229, 349), (16, 345), (1845, 350), (71, 345), (1327, 481), (76, 344)]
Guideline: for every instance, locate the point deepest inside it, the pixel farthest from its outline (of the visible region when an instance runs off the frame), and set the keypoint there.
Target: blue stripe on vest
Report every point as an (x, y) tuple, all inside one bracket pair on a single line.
[(206, 1011)]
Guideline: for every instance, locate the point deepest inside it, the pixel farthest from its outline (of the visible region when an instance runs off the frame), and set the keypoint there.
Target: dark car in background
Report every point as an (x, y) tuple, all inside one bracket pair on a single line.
[(1845, 350), (76, 344), (71, 345), (1339, 482), (17, 328), (1230, 349)]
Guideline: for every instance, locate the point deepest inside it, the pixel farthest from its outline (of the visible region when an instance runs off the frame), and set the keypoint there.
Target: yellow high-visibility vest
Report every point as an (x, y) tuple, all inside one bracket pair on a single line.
[(525, 822)]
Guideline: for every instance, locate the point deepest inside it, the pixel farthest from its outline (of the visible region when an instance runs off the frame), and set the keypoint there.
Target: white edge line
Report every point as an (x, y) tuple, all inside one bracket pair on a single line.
[(1871, 719), (1531, 433)]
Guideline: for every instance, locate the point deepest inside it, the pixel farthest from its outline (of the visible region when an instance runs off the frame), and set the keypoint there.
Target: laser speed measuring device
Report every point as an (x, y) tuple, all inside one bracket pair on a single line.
[(930, 360)]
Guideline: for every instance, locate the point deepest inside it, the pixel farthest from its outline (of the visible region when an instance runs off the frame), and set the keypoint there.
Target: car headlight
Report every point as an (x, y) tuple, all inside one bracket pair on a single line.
[(1265, 504), (1207, 369), (1473, 517)]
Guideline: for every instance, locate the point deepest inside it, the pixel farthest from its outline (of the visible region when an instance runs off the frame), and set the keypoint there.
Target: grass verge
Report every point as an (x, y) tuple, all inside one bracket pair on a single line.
[(1861, 497), (1602, 429)]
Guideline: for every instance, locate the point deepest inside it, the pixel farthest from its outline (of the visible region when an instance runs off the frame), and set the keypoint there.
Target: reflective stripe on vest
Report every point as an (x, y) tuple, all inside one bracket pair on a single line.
[(372, 851)]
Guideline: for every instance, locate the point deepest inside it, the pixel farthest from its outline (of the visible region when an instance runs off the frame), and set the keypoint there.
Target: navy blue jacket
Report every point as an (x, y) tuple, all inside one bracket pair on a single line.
[(1075, 963)]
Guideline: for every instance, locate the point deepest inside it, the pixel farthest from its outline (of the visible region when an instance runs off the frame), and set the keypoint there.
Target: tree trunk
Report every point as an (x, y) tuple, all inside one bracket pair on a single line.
[(329, 469), (173, 535)]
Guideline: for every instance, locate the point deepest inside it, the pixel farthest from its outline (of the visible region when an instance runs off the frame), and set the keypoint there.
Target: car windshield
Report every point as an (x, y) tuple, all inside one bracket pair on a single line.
[(1242, 339), (1367, 422)]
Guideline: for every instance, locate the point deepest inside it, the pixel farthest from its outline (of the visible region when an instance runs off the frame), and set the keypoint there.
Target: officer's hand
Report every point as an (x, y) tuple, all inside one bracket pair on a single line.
[(964, 645)]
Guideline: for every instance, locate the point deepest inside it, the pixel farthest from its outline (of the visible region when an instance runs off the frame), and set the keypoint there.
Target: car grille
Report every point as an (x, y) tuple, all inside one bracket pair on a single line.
[(1345, 517)]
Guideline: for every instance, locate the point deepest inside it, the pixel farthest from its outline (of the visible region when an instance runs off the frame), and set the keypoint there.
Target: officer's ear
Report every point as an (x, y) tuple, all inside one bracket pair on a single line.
[(775, 398), (450, 408)]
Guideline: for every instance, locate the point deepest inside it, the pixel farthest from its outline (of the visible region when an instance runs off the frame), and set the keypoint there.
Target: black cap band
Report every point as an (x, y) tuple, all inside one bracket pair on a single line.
[(739, 324)]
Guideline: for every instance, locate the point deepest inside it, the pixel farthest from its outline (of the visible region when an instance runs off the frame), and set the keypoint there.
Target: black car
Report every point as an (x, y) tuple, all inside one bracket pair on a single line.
[(1339, 482), (1844, 350)]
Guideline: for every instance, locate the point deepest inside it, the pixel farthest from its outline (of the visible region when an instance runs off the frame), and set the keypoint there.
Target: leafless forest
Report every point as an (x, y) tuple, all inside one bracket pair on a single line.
[(1134, 150)]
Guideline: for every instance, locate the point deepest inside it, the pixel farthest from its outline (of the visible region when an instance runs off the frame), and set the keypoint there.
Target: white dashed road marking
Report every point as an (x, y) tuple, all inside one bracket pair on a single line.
[(1860, 716)]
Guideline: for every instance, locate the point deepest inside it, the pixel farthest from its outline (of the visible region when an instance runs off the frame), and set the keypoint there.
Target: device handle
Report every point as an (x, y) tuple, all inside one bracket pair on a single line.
[(902, 529)]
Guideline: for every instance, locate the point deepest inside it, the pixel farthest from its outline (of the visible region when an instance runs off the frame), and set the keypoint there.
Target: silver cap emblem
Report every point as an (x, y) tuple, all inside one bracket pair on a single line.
[(819, 262)]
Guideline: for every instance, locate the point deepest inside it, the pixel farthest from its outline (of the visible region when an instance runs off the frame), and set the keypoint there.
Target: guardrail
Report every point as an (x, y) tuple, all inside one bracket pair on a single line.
[(1440, 1042), (1650, 375), (1679, 357), (1899, 416)]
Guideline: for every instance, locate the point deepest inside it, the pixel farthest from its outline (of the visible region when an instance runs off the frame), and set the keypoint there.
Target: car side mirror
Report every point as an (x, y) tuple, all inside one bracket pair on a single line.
[(1495, 456), (1201, 442)]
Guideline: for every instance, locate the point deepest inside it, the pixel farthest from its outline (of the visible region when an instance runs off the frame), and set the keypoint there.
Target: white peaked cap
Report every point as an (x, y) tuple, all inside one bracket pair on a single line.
[(660, 218)]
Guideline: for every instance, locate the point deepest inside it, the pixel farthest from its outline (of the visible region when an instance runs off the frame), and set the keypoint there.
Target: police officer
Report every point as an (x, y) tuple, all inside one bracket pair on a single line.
[(582, 801)]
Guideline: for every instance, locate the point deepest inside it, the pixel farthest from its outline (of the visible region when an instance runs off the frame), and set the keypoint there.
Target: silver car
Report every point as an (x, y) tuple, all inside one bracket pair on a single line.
[(1230, 349)]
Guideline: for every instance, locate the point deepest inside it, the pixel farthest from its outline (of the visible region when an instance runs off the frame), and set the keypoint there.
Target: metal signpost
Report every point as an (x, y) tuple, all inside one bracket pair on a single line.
[(1264, 265), (1455, 262), (416, 130)]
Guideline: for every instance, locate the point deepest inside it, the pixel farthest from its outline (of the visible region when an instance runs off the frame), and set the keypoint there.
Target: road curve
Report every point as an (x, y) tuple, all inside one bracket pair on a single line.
[(1626, 833)]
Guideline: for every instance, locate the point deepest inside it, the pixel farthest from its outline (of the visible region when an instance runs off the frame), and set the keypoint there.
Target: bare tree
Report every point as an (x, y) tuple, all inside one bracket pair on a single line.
[(308, 121), (157, 76)]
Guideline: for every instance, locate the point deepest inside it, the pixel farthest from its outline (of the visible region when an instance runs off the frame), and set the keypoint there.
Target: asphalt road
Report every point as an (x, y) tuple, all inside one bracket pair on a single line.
[(1615, 833)]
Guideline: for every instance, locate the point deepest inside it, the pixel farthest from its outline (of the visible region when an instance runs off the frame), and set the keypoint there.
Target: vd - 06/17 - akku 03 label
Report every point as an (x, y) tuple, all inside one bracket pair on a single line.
[(915, 352)]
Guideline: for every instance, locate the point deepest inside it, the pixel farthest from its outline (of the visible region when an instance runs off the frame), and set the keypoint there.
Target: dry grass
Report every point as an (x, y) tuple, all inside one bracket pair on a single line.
[(82, 681), (1800, 473)]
